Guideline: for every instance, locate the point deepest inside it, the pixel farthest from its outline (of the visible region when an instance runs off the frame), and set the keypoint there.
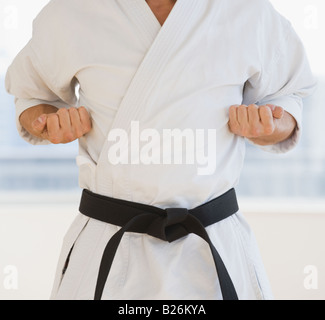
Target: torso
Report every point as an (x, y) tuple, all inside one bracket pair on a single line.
[(161, 8)]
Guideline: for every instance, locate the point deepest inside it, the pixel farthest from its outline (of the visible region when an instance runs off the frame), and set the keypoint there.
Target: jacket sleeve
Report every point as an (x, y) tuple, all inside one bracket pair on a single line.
[(285, 77), (40, 74)]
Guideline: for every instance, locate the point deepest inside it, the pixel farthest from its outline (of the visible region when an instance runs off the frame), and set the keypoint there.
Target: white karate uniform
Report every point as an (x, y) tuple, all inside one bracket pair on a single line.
[(207, 56)]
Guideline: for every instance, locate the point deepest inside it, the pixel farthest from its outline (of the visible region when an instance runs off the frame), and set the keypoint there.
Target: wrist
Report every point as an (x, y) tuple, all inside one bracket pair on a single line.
[(284, 129)]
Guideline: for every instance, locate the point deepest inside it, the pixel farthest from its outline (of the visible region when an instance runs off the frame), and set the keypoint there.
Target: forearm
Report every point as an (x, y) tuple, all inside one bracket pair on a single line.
[(284, 128), (31, 114)]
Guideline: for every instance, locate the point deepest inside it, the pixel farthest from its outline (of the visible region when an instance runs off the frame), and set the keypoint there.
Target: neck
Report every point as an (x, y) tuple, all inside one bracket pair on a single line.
[(160, 3)]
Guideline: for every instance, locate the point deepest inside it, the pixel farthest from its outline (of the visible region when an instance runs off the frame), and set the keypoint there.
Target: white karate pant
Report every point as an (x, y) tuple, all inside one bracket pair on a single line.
[(146, 268)]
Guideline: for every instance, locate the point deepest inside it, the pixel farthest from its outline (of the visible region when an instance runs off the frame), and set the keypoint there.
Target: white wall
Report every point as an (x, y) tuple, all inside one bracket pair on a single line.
[(291, 238)]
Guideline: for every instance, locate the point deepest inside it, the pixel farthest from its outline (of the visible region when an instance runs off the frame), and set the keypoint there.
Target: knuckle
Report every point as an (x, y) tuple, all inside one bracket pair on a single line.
[(252, 107), (232, 127), (232, 113), (269, 129), (72, 109), (55, 136), (245, 132), (232, 109), (83, 110), (62, 111), (55, 139), (255, 132), (68, 136), (265, 110), (264, 107), (87, 127), (236, 127), (78, 132), (52, 116)]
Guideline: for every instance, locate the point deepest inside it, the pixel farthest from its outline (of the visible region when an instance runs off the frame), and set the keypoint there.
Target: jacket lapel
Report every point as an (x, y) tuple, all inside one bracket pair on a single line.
[(170, 36)]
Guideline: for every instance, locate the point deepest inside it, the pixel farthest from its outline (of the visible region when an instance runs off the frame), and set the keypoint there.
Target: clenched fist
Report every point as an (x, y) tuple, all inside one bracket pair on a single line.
[(56, 125), (64, 126), (253, 121)]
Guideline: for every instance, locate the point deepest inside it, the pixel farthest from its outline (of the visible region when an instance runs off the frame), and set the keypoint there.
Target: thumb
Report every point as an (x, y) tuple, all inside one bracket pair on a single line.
[(277, 112), (39, 125)]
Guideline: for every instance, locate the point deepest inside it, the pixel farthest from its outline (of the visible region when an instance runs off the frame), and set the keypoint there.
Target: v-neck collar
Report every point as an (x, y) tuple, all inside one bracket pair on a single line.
[(145, 20), (153, 14), (160, 45)]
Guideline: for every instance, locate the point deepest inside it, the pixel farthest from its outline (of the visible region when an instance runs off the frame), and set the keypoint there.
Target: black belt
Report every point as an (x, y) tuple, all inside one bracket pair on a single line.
[(168, 225)]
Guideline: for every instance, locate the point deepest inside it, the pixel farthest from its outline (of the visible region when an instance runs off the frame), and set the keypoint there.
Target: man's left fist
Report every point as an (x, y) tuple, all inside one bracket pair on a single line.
[(254, 121)]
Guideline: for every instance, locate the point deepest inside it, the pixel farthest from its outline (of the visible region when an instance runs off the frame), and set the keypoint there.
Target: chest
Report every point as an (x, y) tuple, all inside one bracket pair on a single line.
[(204, 58)]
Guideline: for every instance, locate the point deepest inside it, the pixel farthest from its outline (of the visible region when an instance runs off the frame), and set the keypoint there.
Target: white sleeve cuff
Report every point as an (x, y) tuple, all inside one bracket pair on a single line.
[(24, 104)]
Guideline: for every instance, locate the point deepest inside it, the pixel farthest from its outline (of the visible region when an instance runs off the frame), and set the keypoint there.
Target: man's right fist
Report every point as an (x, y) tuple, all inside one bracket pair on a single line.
[(64, 126)]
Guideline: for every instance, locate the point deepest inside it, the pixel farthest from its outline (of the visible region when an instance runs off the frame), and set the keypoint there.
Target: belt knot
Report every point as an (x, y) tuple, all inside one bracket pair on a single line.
[(175, 216), (170, 226)]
